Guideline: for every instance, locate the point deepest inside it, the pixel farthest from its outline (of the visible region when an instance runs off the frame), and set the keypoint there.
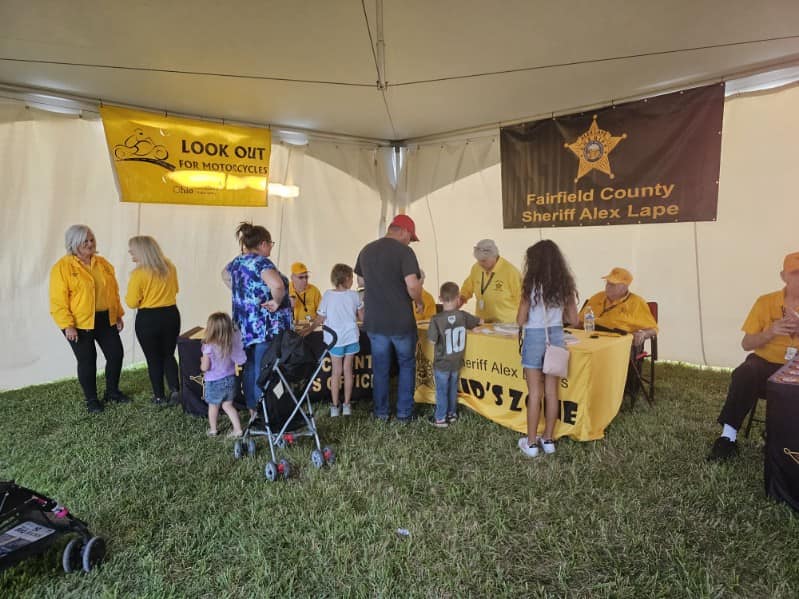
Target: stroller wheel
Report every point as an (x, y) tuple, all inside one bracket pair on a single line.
[(329, 455), (250, 447), (270, 471), (280, 442), (237, 450), (93, 553), (317, 459), (71, 560), (284, 468)]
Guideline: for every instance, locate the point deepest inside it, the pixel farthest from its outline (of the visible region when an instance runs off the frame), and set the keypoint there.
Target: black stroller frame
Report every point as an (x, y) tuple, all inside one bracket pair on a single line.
[(31, 522), (277, 385)]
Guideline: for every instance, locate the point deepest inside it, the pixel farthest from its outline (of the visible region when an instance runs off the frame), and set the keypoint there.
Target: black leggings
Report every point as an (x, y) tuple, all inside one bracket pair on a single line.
[(107, 337), (157, 330)]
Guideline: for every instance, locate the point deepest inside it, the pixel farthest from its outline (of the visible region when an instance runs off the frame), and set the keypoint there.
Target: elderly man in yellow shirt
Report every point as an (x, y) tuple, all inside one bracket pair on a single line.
[(771, 333), (618, 309), (305, 297), (428, 303), (495, 283)]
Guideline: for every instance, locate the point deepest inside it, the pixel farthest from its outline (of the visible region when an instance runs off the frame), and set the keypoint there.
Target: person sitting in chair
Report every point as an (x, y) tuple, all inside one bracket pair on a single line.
[(618, 309), (305, 297), (771, 333)]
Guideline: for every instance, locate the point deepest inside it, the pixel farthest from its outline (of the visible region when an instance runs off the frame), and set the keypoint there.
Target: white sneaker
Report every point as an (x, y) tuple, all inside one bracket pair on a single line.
[(346, 410), (529, 451), (547, 446), (335, 411)]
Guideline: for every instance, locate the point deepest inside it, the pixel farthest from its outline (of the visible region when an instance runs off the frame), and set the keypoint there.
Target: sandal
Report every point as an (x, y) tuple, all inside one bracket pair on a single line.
[(211, 433)]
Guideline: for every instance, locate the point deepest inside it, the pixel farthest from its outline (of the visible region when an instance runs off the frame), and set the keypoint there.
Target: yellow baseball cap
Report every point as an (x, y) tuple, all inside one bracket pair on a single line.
[(298, 268), (791, 262), (619, 275)]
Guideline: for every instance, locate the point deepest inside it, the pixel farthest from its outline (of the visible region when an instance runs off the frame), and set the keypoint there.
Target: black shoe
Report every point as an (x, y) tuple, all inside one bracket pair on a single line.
[(94, 406), (723, 449), (174, 398), (159, 401), (116, 397), (406, 419)]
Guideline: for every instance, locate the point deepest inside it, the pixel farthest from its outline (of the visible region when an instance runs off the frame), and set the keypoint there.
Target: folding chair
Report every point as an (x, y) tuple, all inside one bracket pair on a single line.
[(645, 380), (753, 418)]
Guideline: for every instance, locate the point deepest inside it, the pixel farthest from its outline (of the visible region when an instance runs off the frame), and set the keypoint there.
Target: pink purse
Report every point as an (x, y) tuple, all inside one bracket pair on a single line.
[(556, 359)]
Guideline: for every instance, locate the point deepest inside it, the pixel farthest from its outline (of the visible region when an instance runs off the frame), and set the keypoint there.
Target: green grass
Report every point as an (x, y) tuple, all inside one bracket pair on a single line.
[(639, 514)]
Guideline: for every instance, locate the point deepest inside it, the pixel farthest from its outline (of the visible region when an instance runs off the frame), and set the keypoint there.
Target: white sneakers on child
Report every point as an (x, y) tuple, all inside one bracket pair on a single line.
[(527, 449), (548, 447), (336, 411)]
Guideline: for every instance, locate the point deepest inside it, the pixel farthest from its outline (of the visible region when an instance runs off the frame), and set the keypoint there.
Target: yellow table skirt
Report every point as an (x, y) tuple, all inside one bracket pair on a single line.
[(492, 381)]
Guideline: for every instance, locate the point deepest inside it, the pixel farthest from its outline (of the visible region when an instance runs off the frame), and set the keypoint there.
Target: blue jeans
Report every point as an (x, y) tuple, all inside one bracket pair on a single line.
[(252, 368), (446, 393), (405, 347)]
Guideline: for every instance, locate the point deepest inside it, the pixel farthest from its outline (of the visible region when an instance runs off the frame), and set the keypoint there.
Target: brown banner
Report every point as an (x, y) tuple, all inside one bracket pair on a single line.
[(651, 161)]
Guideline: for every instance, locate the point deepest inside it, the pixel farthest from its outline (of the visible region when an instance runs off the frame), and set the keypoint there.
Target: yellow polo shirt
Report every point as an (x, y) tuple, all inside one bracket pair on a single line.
[(497, 293), (767, 309), (630, 313), (305, 303), (429, 309), (148, 289)]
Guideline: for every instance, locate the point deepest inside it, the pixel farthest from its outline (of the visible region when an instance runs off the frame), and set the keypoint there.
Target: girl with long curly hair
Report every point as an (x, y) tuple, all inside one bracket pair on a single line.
[(548, 295)]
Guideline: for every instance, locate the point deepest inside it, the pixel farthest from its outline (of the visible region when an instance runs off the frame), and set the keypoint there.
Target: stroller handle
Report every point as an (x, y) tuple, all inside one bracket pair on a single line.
[(333, 337)]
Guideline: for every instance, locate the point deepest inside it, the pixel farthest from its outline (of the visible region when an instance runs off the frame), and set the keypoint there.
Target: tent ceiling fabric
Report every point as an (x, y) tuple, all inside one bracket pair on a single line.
[(450, 64)]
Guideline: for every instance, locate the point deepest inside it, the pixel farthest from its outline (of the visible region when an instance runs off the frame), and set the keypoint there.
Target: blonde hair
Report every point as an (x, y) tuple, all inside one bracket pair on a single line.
[(219, 332), (149, 254)]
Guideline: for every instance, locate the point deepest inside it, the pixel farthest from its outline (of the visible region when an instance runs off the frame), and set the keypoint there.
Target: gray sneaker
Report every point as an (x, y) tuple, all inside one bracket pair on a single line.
[(335, 411), (346, 410)]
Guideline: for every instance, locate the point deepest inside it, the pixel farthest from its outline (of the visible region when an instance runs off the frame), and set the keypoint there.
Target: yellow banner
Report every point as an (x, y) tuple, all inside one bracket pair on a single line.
[(173, 160), (492, 381)]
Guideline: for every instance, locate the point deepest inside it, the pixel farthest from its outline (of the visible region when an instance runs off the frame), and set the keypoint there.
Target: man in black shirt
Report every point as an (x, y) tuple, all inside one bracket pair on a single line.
[(388, 270)]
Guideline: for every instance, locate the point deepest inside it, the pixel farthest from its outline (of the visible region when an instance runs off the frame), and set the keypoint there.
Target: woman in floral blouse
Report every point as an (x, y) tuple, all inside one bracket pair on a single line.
[(261, 308)]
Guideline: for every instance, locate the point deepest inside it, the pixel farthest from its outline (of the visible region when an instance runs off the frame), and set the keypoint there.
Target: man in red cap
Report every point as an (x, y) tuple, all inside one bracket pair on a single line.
[(389, 271), (771, 333)]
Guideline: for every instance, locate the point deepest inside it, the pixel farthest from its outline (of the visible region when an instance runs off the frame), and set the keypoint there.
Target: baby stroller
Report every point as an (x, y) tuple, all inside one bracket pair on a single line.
[(31, 522), (288, 370)]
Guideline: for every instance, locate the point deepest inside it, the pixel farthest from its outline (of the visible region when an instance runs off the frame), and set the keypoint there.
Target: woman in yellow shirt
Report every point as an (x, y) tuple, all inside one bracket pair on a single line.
[(153, 289), (84, 303)]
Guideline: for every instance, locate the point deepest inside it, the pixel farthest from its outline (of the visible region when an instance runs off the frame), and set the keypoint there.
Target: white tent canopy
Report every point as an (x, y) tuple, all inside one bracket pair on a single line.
[(449, 64), (55, 171)]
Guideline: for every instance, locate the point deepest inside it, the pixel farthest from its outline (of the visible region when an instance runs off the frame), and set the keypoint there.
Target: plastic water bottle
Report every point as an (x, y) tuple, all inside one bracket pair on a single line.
[(588, 321)]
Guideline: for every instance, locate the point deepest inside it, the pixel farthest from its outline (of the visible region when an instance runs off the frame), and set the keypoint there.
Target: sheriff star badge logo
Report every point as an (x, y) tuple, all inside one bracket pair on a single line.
[(592, 149)]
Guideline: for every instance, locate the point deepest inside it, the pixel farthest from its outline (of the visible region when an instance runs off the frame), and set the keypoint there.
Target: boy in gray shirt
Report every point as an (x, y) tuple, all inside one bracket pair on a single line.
[(447, 331)]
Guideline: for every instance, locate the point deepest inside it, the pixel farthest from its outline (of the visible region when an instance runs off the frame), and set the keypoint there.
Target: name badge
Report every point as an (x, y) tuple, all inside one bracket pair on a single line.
[(790, 353), (481, 305)]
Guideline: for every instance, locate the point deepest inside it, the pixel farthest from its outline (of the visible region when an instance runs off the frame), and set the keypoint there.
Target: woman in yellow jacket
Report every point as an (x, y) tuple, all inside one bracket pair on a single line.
[(84, 302), (152, 289)]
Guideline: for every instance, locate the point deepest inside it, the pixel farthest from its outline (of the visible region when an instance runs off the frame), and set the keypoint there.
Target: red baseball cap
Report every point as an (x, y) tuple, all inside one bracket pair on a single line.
[(403, 221)]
